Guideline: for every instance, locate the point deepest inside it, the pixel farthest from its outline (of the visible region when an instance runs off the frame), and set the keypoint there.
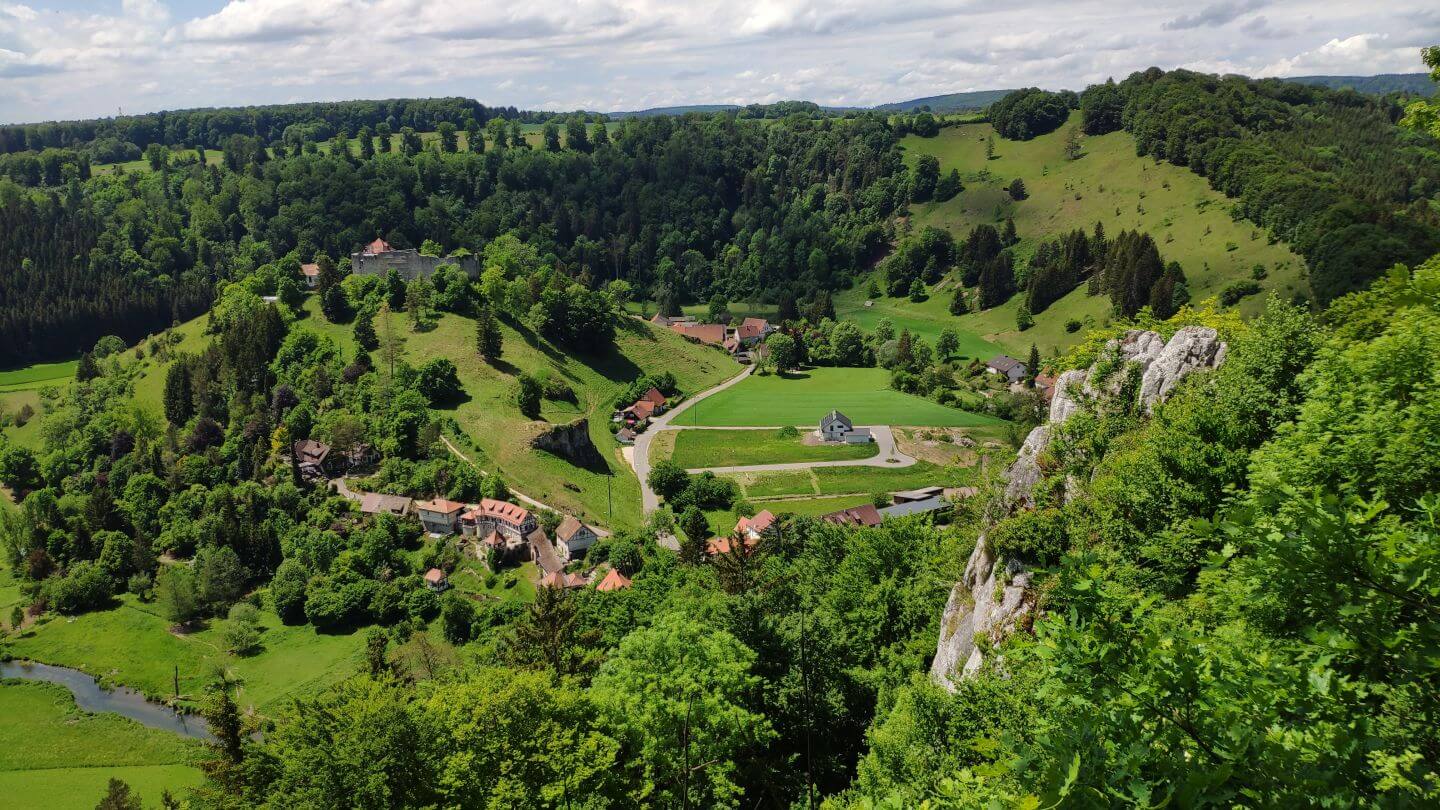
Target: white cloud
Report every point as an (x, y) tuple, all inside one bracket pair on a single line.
[(627, 54)]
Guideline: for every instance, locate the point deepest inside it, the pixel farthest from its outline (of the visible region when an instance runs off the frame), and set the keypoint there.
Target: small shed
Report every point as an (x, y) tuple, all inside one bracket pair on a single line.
[(436, 580)]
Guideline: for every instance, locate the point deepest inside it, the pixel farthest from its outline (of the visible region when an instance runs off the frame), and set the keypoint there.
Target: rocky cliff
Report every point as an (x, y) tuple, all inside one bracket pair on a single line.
[(572, 443), (994, 596)]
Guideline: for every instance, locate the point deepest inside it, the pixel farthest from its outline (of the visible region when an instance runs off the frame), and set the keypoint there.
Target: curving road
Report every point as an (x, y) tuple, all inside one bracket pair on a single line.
[(649, 501), (888, 456)]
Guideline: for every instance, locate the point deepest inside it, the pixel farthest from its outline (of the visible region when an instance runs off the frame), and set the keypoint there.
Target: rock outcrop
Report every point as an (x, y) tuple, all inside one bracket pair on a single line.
[(994, 597), (572, 443)]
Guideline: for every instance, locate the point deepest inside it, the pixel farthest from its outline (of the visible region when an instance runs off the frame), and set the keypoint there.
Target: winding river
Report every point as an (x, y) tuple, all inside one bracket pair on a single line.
[(122, 701)]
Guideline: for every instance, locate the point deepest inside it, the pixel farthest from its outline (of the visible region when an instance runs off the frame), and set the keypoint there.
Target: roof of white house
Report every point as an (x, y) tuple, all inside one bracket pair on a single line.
[(833, 417)]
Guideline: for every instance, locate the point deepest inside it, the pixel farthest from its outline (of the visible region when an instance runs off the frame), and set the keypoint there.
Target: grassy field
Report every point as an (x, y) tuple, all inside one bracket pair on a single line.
[(53, 755), (1108, 184), (858, 480), (496, 435), (801, 398), (812, 506), (38, 375), (131, 645), (733, 448)]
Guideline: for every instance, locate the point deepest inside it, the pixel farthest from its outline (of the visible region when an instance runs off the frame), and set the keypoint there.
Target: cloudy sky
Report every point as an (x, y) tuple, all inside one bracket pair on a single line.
[(78, 59)]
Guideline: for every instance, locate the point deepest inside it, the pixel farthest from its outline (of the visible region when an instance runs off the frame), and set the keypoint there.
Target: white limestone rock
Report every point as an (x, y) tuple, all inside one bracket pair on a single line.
[(1025, 473), (1067, 387), (1192, 348)]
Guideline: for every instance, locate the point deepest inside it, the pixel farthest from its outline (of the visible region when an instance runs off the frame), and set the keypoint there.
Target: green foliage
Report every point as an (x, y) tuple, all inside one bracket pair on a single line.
[(1024, 114)]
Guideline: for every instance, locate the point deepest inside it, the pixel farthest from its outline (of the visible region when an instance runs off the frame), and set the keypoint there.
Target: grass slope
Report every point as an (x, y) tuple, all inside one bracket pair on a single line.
[(53, 755), (496, 434), (733, 448), (1108, 184), (801, 398)]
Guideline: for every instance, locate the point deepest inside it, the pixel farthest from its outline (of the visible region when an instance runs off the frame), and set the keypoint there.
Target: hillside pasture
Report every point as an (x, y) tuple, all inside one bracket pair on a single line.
[(735, 448)]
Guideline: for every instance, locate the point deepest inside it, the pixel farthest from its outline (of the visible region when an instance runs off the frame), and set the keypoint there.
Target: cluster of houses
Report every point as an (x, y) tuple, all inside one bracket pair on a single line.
[(316, 460), (1015, 372), (634, 417), (740, 341)]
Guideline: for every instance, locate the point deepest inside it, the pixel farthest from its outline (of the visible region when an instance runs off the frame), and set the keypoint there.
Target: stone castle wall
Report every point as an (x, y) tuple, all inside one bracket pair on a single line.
[(409, 264)]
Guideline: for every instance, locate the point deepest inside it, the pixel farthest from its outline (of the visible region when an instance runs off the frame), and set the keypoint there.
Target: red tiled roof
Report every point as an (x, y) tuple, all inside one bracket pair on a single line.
[(654, 395), (863, 515), (643, 409), (752, 328), (440, 505), (310, 269), (704, 332), (435, 576), (378, 246), (560, 579), (494, 539), (613, 581), (310, 451), (757, 524), (503, 510), (721, 545)]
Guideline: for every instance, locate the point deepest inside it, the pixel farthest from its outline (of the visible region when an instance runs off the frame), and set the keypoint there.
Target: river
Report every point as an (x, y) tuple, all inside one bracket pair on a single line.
[(122, 701)]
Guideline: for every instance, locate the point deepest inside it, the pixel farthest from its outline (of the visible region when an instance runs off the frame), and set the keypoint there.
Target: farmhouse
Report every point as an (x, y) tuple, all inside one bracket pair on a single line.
[(711, 333), (625, 436), (439, 516), (837, 427), (1008, 367), (752, 331), (573, 537), (312, 459)]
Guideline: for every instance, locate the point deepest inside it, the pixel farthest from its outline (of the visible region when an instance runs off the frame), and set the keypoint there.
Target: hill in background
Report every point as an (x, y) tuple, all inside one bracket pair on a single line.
[(1418, 84)]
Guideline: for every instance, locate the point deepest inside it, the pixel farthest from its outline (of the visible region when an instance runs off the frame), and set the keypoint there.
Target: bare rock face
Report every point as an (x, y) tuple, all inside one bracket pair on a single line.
[(572, 443), (1025, 473), (1192, 348), (993, 598)]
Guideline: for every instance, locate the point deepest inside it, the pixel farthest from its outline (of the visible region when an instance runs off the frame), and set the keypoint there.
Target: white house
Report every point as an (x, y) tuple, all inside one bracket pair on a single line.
[(573, 537), (438, 516), (837, 427), (1008, 367)]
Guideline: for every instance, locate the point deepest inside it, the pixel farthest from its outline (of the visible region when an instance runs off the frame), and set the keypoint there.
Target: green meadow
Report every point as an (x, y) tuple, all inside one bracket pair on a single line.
[(54, 755), (802, 398), (734, 448)]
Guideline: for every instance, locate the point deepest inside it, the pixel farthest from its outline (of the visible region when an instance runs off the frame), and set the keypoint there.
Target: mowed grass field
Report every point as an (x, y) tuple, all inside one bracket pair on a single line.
[(733, 448), (1109, 184), (802, 398), (131, 644), (53, 756)]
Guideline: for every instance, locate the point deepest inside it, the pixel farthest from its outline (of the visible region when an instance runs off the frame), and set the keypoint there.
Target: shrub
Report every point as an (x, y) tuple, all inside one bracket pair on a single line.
[(788, 432), (1072, 325), (1037, 536), (1236, 290)]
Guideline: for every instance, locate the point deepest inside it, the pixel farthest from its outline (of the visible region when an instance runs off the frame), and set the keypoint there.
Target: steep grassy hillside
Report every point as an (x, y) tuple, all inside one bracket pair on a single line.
[(1109, 184), (496, 435)]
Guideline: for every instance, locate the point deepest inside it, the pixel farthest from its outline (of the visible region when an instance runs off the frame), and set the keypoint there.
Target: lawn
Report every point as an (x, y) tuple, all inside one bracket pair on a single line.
[(37, 375), (734, 448), (131, 645), (496, 435), (812, 506), (801, 398), (53, 755), (776, 484), (1109, 184), (851, 480)]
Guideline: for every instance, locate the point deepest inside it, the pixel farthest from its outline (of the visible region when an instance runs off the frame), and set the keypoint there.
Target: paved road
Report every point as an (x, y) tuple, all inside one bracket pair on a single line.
[(648, 499), (888, 457)]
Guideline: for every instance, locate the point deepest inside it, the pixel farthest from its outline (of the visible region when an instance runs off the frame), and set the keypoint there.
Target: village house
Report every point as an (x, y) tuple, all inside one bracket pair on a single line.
[(439, 516), (312, 459), (436, 580), (716, 546), (753, 330), (311, 274), (666, 322), (863, 515), (837, 427), (613, 581), (1008, 367), (374, 503), (572, 537), (756, 527), (711, 333), (625, 436)]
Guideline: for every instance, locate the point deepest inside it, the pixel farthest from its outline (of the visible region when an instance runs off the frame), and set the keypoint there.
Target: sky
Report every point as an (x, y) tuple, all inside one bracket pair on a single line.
[(65, 59)]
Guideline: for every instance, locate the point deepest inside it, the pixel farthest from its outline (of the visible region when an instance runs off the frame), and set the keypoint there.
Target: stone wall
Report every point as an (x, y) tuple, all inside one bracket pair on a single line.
[(409, 264)]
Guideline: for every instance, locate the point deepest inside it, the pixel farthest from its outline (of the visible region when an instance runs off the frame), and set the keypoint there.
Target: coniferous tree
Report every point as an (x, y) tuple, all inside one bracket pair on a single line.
[(489, 340), (179, 397), (364, 329), (1032, 366), (87, 369)]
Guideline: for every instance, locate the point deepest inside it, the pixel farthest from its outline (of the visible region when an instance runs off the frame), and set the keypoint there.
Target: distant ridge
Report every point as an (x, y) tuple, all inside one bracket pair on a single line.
[(1418, 84), (950, 102), (677, 110)]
